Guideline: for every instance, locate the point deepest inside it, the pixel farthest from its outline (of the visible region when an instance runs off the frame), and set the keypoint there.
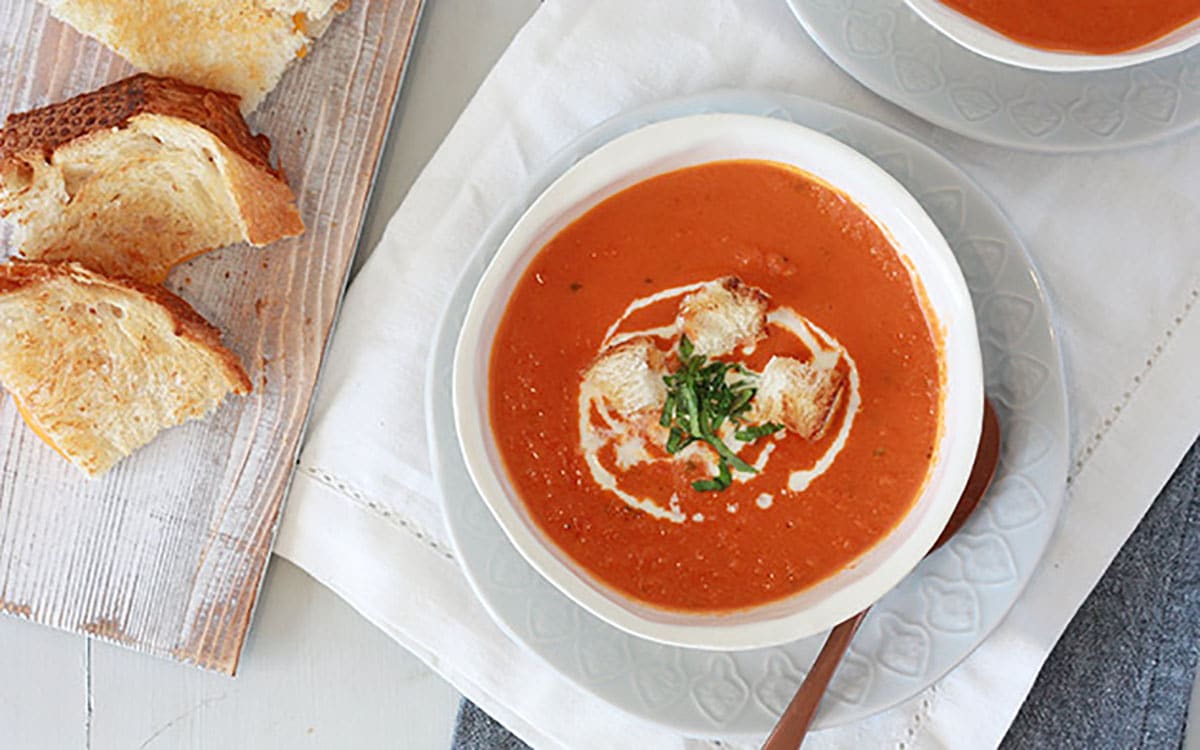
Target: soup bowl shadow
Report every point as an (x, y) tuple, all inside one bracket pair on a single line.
[(664, 147)]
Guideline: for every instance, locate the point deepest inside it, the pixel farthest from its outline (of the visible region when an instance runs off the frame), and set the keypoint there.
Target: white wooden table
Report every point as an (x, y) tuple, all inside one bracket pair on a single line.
[(314, 673)]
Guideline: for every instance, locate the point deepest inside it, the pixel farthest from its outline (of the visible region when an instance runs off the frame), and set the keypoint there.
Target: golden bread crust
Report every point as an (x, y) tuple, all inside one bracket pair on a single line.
[(139, 176), (16, 275), (113, 106)]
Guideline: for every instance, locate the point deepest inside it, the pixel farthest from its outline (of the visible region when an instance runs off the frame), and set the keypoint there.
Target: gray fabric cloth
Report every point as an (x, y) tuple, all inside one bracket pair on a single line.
[(475, 730), (1121, 676)]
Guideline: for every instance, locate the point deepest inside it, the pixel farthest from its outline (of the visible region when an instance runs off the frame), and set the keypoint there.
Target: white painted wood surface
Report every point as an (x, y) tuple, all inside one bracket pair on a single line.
[(43, 700), (310, 661), (323, 677)]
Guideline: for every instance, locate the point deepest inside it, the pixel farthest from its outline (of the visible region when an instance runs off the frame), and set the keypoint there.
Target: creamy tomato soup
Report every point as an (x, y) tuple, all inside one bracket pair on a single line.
[(1091, 26), (717, 387)]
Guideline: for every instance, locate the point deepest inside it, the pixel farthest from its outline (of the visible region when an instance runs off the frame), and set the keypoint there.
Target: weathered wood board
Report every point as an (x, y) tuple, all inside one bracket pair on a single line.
[(166, 553)]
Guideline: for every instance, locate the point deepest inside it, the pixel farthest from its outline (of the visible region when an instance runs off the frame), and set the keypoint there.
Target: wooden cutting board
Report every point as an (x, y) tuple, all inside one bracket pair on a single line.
[(166, 553)]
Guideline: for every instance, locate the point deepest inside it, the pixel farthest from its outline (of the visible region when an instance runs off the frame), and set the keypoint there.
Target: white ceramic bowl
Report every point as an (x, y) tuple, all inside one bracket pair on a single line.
[(664, 147), (981, 39)]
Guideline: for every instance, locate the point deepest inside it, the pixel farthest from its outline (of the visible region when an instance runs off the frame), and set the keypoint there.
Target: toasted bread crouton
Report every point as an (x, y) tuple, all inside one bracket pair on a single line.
[(723, 315), (99, 366), (801, 396), (138, 176), (629, 376), (239, 46)]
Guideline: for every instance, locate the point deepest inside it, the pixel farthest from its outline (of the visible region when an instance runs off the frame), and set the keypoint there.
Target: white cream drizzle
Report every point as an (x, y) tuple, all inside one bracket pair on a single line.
[(631, 449), (632, 452), (760, 463), (642, 303), (662, 332), (592, 441)]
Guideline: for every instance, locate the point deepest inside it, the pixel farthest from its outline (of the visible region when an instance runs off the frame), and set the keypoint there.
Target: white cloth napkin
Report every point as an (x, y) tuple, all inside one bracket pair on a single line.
[(1115, 236)]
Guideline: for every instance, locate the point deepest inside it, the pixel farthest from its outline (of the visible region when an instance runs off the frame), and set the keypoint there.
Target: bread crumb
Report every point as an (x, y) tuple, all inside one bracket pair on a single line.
[(724, 315)]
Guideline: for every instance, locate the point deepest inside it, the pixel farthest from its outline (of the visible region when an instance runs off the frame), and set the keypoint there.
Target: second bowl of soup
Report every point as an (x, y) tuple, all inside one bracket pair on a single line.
[(1067, 35)]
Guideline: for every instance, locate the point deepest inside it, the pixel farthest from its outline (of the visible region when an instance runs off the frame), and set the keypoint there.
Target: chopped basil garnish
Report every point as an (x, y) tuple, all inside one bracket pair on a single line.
[(701, 397), (750, 434)]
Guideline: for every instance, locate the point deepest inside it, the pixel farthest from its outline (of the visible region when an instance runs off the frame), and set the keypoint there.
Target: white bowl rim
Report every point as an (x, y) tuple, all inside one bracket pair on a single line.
[(963, 401), (983, 40)]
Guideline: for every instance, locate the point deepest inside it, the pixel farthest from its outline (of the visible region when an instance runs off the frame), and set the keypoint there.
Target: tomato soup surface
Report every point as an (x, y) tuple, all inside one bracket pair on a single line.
[(1096, 27), (604, 486)]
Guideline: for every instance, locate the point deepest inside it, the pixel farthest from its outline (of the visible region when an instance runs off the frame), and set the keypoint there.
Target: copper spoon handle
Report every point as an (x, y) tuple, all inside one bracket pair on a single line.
[(793, 723)]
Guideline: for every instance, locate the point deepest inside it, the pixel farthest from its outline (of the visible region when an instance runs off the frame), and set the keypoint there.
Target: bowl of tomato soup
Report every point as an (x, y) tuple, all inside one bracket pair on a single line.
[(721, 383), (1067, 35)]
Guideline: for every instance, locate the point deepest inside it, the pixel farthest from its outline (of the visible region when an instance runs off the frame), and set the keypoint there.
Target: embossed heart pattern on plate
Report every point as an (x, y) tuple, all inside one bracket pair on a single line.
[(900, 56)]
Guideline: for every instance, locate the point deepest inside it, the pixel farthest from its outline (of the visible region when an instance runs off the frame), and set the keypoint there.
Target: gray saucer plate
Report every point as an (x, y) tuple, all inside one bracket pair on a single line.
[(920, 630), (898, 55)]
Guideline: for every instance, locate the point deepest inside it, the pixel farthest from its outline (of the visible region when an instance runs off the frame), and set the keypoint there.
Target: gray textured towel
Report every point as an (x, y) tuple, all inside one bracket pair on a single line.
[(475, 730), (1120, 677)]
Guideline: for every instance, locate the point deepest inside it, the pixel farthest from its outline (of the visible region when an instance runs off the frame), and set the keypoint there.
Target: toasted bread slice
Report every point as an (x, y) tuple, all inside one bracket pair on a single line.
[(723, 315), (239, 46), (802, 396), (99, 366), (138, 176)]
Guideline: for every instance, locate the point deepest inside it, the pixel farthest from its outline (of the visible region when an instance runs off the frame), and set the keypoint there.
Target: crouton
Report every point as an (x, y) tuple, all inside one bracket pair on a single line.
[(802, 396), (629, 377), (723, 316)]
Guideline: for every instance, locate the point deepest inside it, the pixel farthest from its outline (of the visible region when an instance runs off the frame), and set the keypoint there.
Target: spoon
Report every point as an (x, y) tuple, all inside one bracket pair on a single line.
[(793, 724)]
